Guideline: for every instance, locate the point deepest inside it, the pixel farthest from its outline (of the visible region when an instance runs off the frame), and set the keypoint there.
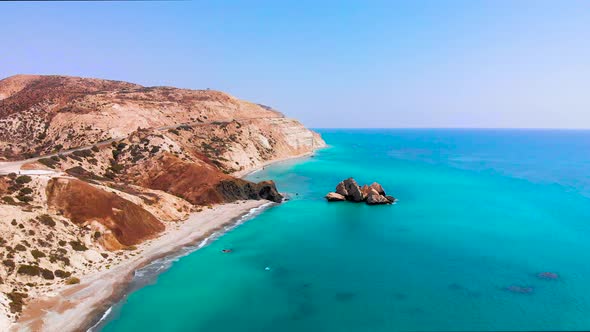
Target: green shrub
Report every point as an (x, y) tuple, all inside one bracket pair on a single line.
[(37, 253), (9, 200), (49, 162), (78, 246), (83, 153), (53, 258), (20, 247), (74, 157), (29, 270), (24, 198), (23, 179), (16, 301), (72, 281), (95, 148), (47, 274), (26, 191), (46, 220), (116, 168), (9, 263), (62, 274)]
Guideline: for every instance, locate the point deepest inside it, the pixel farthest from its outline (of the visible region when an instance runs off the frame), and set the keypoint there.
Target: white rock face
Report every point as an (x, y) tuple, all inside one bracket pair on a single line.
[(264, 142), (92, 255)]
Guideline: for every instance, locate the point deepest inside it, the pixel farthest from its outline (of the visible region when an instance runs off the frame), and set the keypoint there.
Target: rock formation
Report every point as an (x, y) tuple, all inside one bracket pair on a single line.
[(349, 190), (335, 197)]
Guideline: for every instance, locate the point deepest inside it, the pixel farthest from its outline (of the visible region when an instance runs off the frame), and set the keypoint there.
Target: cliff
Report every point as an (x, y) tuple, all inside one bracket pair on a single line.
[(112, 164)]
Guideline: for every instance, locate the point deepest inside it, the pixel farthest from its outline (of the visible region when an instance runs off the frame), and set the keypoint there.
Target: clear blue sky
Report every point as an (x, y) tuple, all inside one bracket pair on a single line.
[(331, 64)]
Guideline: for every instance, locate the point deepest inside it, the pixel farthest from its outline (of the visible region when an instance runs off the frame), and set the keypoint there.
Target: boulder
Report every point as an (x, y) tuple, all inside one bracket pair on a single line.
[(367, 191), (377, 199), (378, 188), (341, 189), (354, 191), (391, 199), (335, 197)]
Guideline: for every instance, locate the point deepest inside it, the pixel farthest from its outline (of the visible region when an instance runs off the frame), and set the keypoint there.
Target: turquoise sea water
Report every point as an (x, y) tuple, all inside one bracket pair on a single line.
[(478, 211)]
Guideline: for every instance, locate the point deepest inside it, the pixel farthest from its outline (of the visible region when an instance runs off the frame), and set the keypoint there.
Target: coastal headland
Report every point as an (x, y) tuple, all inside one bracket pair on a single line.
[(101, 177)]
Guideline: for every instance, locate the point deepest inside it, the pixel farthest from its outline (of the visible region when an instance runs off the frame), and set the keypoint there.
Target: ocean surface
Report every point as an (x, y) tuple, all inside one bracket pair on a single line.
[(478, 211)]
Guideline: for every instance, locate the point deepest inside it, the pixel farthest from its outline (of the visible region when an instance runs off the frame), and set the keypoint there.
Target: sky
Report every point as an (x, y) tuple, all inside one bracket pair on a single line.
[(471, 63)]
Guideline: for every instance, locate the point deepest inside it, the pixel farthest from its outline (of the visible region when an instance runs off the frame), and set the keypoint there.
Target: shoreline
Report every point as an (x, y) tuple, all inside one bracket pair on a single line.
[(166, 260), (101, 313), (84, 306), (80, 307)]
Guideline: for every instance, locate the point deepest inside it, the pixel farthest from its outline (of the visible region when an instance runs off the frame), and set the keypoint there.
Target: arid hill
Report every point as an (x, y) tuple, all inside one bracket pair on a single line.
[(112, 164), (44, 114)]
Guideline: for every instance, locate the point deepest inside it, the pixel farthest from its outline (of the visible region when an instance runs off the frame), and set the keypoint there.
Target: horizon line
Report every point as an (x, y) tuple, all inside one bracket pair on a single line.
[(458, 128)]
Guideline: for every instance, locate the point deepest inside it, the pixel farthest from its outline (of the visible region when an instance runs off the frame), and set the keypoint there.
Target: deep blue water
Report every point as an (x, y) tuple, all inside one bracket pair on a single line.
[(478, 211)]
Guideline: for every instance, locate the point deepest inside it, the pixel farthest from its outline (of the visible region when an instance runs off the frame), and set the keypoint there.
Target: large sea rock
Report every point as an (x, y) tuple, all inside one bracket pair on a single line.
[(349, 190)]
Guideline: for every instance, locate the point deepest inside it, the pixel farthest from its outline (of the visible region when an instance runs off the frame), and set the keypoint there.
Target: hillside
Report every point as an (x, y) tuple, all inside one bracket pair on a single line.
[(113, 164)]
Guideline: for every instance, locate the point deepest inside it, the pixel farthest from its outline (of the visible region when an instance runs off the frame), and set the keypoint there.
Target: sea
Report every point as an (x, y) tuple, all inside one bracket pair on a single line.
[(480, 214)]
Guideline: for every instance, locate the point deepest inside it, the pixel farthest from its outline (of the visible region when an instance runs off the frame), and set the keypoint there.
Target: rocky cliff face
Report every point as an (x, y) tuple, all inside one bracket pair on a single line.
[(123, 162), (177, 140), (44, 114)]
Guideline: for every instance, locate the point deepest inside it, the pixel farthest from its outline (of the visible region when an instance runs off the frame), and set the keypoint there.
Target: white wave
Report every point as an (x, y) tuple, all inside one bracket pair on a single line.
[(106, 313)]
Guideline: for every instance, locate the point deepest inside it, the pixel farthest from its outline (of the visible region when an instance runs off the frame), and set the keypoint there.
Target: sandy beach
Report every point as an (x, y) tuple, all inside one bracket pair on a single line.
[(76, 308)]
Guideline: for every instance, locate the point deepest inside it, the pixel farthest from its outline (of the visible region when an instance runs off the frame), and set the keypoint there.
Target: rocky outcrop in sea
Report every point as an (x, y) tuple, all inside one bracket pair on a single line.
[(349, 190)]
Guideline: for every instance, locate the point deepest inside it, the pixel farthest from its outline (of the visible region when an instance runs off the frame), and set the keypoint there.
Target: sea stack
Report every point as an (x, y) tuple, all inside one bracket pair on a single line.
[(349, 190)]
